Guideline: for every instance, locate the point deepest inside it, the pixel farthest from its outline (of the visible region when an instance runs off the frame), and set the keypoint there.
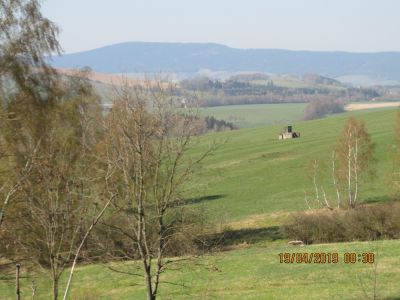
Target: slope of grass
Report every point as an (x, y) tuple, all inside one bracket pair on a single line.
[(255, 115), (252, 181), (254, 173), (247, 273)]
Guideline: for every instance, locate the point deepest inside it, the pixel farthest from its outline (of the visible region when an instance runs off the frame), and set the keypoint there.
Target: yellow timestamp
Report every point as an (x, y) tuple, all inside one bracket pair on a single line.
[(326, 257), (354, 257)]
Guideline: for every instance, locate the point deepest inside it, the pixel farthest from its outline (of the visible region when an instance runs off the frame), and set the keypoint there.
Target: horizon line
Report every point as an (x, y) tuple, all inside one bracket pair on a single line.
[(227, 46)]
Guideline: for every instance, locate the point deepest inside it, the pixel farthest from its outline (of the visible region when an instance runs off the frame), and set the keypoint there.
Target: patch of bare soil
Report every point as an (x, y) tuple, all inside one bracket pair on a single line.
[(360, 106), (116, 80)]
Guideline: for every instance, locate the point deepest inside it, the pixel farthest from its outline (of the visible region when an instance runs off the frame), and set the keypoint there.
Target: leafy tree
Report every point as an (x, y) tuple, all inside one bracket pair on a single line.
[(27, 86), (56, 197), (49, 130), (26, 38)]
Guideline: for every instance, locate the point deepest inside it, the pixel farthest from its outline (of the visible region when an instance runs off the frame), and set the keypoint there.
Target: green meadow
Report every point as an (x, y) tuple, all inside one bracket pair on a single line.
[(247, 272), (251, 184), (256, 115), (255, 173)]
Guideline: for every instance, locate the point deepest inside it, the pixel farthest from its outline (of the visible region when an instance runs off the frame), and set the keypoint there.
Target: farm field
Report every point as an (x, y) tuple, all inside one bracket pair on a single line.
[(371, 105), (256, 115), (250, 272), (289, 81)]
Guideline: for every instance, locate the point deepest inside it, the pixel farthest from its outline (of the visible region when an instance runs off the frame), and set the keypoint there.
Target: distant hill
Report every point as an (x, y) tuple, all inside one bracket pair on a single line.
[(191, 58)]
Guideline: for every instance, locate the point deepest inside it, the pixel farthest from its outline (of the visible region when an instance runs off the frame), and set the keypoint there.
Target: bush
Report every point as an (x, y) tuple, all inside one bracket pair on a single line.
[(110, 242), (213, 124), (364, 223), (321, 107)]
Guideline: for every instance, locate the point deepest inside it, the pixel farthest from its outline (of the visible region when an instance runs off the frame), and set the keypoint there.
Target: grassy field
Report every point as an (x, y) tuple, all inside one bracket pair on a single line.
[(245, 273), (252, 183), (292, 82), (255, 115), (258, 115), (255, 173)]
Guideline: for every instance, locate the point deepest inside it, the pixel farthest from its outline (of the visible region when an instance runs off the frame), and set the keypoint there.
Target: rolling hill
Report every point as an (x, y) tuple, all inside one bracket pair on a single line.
[(249, 182), (254, 173), (191, 58)]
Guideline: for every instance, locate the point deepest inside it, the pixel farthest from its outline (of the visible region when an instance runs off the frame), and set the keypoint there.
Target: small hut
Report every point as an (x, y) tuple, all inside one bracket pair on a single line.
[(288, 133)]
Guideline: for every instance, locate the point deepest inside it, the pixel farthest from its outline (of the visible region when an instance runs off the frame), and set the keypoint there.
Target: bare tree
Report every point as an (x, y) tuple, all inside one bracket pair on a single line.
[(12, 179), (334, 177), (315, 167), (150, 138), (351, 159), (314, 172), (355, 156), (81, 244), (368, 281)]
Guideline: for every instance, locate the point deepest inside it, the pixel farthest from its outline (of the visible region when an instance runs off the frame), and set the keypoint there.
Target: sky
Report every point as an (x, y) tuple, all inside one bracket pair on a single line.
[(320, 25)]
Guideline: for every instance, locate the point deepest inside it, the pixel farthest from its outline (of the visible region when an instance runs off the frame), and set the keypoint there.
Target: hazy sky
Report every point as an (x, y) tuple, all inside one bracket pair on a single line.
[(348, 25)]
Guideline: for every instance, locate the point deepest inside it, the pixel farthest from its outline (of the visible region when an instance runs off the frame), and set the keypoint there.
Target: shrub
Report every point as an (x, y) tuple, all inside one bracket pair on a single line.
[(364, 223), (321, 107), (213, 124)]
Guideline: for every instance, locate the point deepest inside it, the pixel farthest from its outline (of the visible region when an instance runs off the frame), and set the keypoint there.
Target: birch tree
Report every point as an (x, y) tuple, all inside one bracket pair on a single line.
[(26, 37), (315, 173), (57, 193), (355, 157), (46, 140)]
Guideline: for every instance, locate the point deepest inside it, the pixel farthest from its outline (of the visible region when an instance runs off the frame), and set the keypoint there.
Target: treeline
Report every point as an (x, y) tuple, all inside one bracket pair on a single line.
[(234, 91), (320, 108)]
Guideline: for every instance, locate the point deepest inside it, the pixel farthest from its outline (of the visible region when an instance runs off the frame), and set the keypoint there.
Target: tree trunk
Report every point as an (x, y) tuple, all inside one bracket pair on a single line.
[(356, 166), (55, 288), (71, 273), (349, 175), (315, 167), (149, 287), (335, 183), (17, 290), (6, 200)]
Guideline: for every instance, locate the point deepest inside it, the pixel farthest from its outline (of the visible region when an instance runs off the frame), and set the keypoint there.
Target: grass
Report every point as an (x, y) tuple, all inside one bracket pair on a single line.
[(256, 115), (245, 273), (252, 183), (285, 81), (294, 82), (255, 173)]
